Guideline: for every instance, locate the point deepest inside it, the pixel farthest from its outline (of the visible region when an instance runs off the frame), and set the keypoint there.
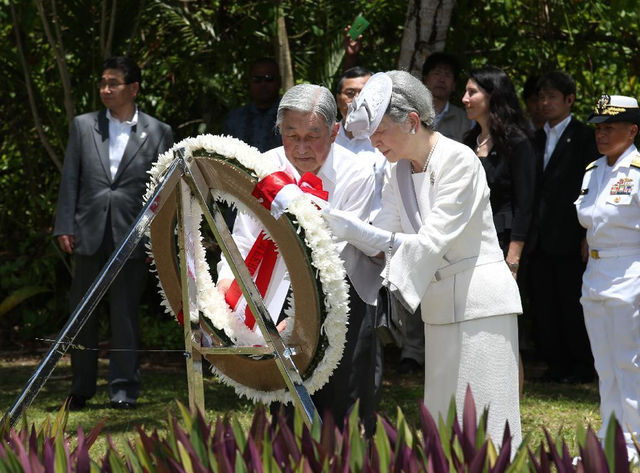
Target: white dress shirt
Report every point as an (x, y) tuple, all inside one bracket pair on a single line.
[(553, 136), (350, 184), (118, 138), (369, 154)]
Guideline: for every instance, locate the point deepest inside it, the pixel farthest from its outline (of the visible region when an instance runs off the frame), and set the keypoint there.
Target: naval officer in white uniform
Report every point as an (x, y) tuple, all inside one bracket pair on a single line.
[(609, 208)]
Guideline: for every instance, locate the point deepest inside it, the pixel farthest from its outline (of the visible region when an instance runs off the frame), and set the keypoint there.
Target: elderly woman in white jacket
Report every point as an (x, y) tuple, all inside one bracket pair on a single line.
[(437, 234)]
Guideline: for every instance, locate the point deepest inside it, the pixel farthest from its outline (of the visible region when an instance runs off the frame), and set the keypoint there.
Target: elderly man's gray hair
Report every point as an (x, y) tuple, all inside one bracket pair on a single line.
[(410, 95), (307, 98)]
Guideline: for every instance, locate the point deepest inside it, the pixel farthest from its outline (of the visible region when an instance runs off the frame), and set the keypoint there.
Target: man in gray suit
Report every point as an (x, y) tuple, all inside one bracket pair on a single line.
[(103, 180)]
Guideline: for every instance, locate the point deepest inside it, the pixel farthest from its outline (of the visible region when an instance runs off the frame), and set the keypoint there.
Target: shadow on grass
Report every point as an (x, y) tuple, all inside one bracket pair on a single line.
[(574, 393), (163, 383)]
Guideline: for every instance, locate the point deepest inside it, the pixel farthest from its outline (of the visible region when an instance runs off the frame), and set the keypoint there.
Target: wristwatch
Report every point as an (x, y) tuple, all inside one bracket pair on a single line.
[(512, 266)]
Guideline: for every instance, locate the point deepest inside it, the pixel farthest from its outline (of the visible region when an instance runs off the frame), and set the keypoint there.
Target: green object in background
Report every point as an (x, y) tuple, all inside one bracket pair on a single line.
[(358, 26)]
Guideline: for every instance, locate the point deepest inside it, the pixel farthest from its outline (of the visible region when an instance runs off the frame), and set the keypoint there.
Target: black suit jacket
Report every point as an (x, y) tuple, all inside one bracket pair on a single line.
[(88, 194), (511, 179), (555, 229)]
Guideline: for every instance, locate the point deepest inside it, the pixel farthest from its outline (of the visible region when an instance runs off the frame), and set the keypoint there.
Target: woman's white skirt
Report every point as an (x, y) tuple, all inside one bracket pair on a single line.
[(481, 353)]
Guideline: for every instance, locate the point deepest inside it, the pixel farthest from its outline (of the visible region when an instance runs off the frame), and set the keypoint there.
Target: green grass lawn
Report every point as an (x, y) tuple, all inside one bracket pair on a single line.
[(558, 408)]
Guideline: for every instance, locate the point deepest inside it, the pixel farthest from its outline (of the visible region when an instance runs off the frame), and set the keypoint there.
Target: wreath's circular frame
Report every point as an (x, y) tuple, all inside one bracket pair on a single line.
[(328, 271)]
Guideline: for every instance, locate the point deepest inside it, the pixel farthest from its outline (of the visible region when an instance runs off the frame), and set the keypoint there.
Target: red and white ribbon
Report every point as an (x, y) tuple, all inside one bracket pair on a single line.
[(275, 192)]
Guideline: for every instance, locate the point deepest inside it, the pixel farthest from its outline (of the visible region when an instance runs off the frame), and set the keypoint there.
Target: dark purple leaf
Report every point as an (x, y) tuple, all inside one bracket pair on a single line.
[(563, 465), (33, 440), (392, 435), (34, 458), (469, 424), (567, 459), (289, 440), (366, 464), (254, 461), (19, 449), (545, 461), (313, 452), (435, 452), (401, 462), (218, 436), (413, 465), (204, 427), (620, 449), (224, 462), (329, 437), (280, 450), (92, 436), (593, 457), (258, 426), (48, 455), (183, 438), (345, 460), (431, 469), (457, 462), (81, 453), (534, 460), (230, 441), (504, 457), (427, 423), (149, 445), (477, 465), (506, 437)]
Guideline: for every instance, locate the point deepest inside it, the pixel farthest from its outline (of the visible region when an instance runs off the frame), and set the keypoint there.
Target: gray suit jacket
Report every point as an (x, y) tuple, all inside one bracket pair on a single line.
[(88, 194)]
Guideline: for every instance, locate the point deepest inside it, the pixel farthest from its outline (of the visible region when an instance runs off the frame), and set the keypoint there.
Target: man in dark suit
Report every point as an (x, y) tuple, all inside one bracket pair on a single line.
[(564, 146), (103, 181)]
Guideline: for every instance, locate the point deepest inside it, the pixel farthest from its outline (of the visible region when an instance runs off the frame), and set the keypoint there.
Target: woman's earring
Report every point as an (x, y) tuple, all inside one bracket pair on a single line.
[(413, 131)]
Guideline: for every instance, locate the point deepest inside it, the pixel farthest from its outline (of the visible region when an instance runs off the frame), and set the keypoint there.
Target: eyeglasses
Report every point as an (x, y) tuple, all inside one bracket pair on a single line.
[(350, 93), (259, 79), (112, 84)]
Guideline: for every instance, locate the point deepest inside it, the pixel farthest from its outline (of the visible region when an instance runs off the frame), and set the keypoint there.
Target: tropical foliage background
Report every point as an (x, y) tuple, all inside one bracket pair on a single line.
[(195, 55)]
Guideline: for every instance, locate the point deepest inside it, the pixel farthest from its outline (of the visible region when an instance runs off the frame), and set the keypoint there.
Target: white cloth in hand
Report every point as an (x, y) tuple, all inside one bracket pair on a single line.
[(367, 238)]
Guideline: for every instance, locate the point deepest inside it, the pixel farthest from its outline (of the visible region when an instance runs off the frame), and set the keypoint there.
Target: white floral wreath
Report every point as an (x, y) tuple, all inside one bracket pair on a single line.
[(330, 272)]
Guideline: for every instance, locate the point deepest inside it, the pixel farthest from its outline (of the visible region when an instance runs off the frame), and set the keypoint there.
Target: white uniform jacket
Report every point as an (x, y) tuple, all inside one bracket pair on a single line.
[(453, 265), (609, 203), (350, 183)]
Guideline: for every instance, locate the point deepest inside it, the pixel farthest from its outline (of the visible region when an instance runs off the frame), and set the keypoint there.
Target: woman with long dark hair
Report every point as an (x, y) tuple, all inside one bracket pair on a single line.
[(501, 139)]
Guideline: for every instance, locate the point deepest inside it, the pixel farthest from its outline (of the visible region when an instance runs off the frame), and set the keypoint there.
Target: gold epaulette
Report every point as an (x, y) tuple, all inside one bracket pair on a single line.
[(591, 165), (636, 161)]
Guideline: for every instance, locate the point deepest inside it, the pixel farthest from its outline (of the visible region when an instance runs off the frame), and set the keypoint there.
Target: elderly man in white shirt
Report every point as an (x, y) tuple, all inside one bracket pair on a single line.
[(307, 121)]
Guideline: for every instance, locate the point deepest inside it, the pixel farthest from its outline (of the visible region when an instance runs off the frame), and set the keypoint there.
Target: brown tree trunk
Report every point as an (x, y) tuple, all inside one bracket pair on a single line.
[(425, 31), (106, 36), (58, 53), (32, 100), (282, 53), (136, 27)]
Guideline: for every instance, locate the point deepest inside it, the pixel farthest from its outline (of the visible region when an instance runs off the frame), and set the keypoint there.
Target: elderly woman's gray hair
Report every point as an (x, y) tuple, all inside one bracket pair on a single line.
[(307, 98), (410, 95)]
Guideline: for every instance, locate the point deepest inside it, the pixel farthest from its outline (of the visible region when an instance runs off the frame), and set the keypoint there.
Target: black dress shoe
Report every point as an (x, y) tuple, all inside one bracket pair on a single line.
[(77, 403), (408, 365), (124, 405)]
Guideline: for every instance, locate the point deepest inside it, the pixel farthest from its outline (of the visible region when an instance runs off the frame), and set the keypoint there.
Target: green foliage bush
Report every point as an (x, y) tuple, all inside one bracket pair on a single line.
[(275, 445)]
